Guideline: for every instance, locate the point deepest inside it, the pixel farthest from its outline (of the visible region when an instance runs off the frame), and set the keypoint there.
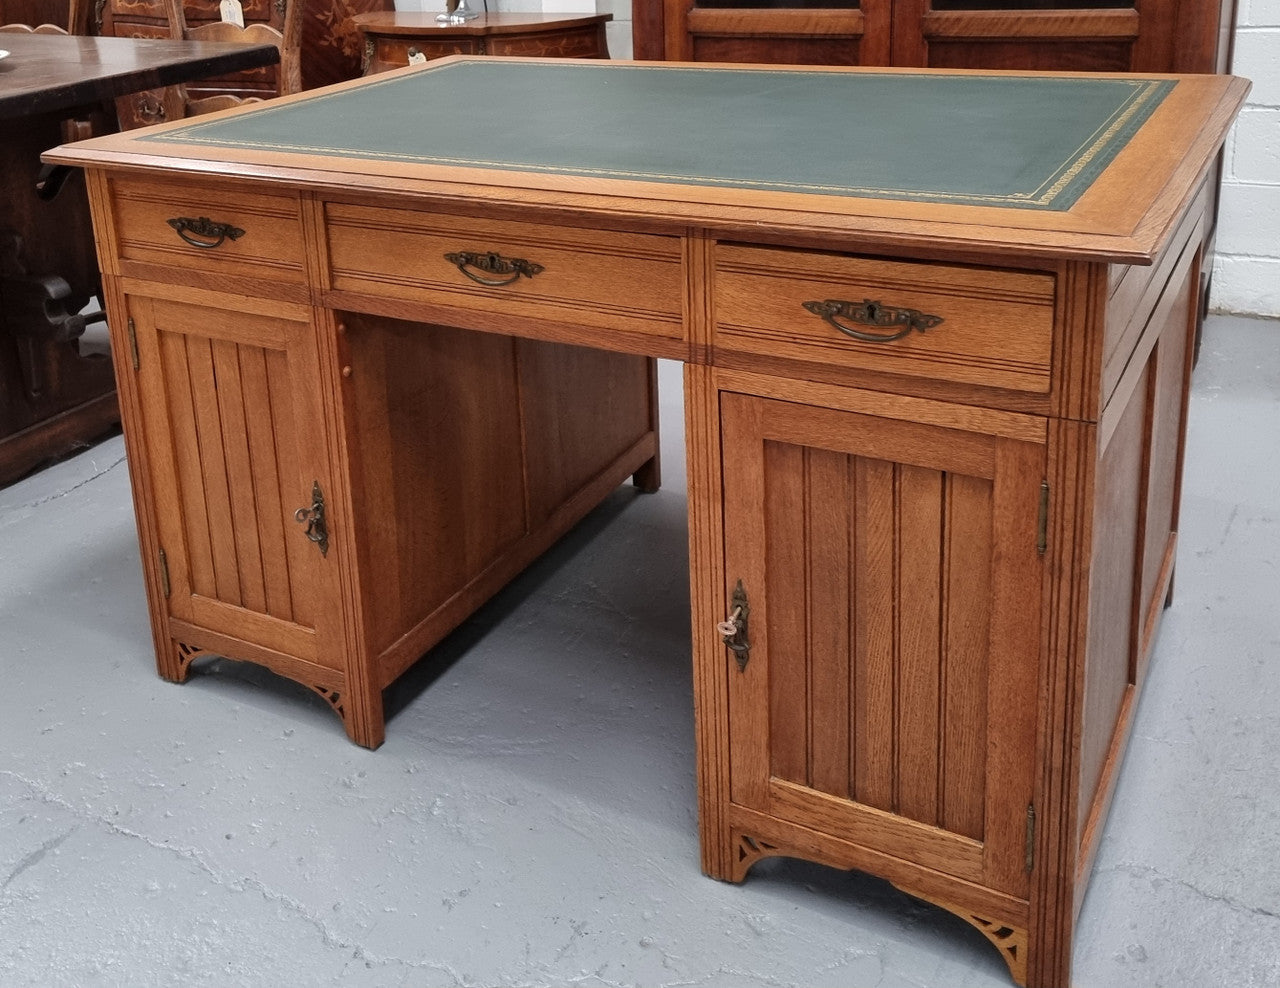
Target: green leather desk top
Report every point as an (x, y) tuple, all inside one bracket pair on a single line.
[(993, 140)]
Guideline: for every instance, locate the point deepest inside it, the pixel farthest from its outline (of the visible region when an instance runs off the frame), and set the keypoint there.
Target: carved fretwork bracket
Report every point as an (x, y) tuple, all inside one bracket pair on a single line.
[(331, 697), (747, 850), (186, 654), (1011, 941)]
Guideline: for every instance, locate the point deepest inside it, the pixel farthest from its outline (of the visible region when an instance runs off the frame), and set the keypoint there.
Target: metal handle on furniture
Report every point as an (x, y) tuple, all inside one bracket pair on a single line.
[(511, 268), (733, 630), (313, 517), (189, 229), (149, 108), (869, 313)]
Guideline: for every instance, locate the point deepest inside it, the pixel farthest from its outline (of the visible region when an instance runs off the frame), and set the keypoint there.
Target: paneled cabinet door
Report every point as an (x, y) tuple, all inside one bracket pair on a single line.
[(234, 437), (892, 577), (807, 32), (1053, 35)]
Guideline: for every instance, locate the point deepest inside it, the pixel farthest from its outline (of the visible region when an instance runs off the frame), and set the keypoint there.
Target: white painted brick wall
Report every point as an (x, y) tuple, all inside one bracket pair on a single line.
[(1246, 274)]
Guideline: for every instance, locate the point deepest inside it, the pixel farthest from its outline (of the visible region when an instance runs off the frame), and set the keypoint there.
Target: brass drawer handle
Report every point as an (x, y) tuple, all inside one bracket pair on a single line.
[(510, 267), (190, 229), (869, 313)]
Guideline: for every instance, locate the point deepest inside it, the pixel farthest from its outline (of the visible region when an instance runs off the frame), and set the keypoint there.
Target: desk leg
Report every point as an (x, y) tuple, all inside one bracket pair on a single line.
[(706, 587), (649, 477)]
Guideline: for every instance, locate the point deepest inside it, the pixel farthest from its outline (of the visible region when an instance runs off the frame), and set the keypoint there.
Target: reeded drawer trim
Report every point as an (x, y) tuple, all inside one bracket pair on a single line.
[(600, 279), (268, 239), (979, 326)]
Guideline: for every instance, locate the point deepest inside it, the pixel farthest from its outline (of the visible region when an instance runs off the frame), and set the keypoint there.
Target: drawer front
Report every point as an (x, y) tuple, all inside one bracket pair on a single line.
[(623, 282), (569, 43), (224, 231), (971, 325), (394, 53), (197, 11)]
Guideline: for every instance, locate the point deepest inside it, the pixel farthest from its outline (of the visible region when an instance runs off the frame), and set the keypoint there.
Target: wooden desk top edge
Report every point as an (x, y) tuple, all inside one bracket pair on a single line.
[(1111, 222)]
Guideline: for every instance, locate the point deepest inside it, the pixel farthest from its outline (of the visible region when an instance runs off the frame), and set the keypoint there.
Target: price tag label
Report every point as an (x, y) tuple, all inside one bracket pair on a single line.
[(232, 12)]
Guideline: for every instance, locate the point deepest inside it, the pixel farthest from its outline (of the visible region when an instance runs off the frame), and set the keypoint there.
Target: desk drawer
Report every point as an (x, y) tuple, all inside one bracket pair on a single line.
[(224, 231), (624, 282), (975, 325)]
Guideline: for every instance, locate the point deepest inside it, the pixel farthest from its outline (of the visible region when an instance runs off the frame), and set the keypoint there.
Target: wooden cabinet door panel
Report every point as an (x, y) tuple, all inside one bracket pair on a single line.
[(893, 582), (234, 439), (1077, 35), (960, 36), (852, 33)]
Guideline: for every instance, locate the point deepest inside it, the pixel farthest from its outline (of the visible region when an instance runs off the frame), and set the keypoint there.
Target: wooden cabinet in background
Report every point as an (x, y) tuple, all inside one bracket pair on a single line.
[(331, 45), (1104, 35), (393, 38)]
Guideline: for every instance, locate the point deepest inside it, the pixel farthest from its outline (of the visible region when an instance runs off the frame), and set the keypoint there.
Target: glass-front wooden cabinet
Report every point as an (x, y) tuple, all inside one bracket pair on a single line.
[(1086, 35), (826, 32)]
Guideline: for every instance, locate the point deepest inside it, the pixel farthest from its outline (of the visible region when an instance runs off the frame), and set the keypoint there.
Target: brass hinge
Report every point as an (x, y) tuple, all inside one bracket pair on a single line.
[(1042, 527), (1031, 837), (164, 574), (133, 344)]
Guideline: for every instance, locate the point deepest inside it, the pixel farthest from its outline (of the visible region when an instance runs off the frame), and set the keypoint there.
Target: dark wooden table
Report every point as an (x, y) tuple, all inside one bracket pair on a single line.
[(52, 397)]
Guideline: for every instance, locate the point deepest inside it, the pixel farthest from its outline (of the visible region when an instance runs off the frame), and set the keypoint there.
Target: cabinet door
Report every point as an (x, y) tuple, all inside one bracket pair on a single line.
[(806, 32), (234, 440), (893, 579), (1049, 35)]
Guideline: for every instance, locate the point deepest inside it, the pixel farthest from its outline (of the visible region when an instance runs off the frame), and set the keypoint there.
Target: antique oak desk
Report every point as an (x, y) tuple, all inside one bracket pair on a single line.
[(51, 397), (935, 328)]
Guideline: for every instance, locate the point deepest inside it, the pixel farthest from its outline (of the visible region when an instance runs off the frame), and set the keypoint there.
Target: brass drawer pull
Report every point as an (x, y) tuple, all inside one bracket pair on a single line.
[(208, 230), (869, 313), (510, 267)]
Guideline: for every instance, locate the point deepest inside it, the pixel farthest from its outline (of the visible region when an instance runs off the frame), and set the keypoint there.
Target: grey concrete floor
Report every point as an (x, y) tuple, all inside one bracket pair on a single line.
[(531, 819)]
